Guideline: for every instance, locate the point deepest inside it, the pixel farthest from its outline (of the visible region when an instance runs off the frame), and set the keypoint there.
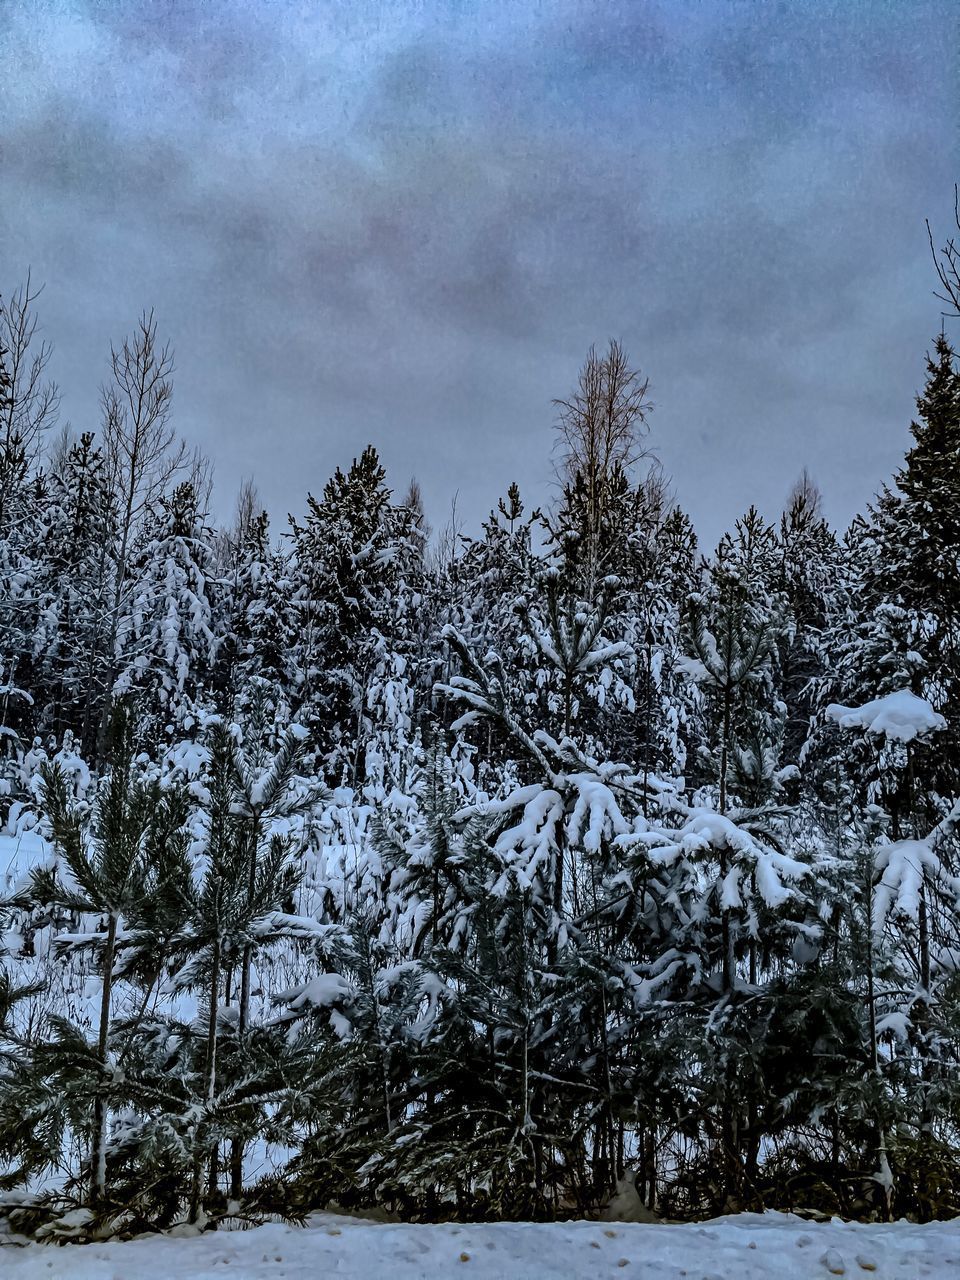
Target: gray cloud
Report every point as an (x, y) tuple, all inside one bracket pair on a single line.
[(405, 223)]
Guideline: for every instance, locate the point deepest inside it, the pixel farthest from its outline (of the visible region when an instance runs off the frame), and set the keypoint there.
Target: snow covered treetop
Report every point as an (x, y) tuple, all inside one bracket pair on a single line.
[(900, 715)]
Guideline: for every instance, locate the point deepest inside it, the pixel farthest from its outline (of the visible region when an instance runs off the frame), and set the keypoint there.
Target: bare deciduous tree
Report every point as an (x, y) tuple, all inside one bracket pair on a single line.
[(230, 541), (947, 262), (142, 450), (31, 402), (58, 450), (805, 496), (420, 526), (603, 424), (601, 430), (450, 541), (248, 510)]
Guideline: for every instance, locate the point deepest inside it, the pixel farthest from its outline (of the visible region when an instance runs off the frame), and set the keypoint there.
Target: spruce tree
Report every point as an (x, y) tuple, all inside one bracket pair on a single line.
[(356, 555), (77, 542), (166, 639)]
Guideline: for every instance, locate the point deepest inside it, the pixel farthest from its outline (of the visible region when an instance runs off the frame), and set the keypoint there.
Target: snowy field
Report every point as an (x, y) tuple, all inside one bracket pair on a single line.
[(746, 1247)]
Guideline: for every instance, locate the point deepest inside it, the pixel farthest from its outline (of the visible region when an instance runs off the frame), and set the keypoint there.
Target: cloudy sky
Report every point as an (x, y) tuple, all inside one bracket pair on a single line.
[(405, 223)]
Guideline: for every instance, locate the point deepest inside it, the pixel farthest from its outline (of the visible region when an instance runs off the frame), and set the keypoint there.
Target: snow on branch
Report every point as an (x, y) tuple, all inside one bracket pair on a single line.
[(900, 715), (706, 830)]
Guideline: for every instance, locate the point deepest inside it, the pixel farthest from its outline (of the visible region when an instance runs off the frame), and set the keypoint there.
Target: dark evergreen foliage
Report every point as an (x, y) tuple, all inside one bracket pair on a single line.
[(468, 877)]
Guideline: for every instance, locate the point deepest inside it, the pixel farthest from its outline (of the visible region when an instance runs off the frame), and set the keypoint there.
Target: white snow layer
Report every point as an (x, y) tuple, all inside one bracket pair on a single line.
[(900, 715), (744, 1247), (19, 854)]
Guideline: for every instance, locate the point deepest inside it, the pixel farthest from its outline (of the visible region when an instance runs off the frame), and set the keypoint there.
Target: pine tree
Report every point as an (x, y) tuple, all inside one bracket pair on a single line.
[(107, 869)]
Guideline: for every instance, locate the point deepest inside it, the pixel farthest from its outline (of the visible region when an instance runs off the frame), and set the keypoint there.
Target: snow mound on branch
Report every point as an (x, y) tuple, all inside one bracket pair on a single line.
[(905, 866), (320, 992), (900, 715)]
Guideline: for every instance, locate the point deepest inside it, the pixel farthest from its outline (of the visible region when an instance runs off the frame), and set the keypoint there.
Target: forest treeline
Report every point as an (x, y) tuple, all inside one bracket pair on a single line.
[(466, 875)]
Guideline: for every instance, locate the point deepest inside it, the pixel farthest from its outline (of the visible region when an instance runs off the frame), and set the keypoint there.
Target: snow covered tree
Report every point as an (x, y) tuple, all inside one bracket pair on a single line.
[(806, 582), (356, 562), (192, 1085), (479, 595), (144, 458), (105, 869), (77, 540), (558, 855), (167, 641), (639, 870), (913, 887), (733, 631), (21, 605), (253, 610), (901, 626)]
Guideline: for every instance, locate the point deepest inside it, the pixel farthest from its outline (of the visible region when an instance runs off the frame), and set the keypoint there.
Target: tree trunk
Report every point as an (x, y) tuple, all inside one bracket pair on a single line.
[(210, 1078), (236, 1148), (883, 1166), (726, 938), (98, 1145)]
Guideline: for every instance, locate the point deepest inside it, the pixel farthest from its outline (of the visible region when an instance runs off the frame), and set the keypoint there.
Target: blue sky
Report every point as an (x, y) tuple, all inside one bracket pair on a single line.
[(405, 223)]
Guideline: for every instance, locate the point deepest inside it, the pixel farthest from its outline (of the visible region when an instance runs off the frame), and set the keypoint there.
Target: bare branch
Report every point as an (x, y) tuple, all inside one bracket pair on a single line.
[(32, 402), (947, 263), (143, 452), (604, 422)]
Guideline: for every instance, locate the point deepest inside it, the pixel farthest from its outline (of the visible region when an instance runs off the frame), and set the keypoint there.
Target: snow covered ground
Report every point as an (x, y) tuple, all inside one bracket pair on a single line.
[(746, 1247)]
